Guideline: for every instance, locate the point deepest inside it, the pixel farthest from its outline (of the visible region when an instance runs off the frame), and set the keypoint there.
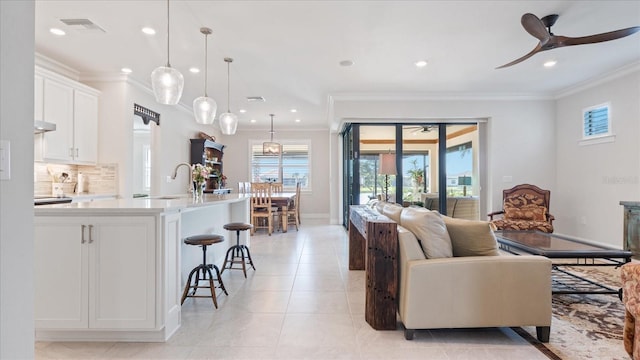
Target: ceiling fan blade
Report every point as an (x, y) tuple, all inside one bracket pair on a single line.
[(534, 26), (591, 39), (537, 49)]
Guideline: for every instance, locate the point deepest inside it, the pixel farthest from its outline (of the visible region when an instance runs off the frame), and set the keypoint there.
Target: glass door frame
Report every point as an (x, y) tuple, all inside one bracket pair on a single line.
[(351, 190)]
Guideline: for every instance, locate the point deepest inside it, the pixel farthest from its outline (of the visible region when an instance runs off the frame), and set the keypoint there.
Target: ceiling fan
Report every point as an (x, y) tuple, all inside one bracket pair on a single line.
[(419, 129), (541, 30)]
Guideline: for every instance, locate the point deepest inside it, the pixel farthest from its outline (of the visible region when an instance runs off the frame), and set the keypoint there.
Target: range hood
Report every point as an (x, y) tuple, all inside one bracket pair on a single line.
[(43, 126)]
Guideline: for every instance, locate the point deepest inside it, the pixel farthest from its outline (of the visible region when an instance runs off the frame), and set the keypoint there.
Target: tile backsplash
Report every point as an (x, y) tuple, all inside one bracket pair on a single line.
[(99, 179)]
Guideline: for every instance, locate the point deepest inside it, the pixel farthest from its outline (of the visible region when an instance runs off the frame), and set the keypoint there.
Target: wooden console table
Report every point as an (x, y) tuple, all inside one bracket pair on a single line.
[(373, 247)]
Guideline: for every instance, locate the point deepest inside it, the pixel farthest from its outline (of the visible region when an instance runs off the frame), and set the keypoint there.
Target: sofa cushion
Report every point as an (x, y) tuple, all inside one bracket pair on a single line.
[(527, 212), (379, 206), (430, 229), (412, 247), (392, 211), (471, 238)]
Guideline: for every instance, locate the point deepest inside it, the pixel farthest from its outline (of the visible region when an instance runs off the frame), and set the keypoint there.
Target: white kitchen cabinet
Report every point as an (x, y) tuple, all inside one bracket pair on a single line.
[(85, 127), (95, 272), (58, 109), (38, 103), (73, 107)]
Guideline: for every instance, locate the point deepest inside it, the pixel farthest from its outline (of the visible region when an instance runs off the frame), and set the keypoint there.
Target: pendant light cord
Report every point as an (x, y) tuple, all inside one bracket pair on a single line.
[(271, 132), (228, 86), (205, 64), (168, 63)]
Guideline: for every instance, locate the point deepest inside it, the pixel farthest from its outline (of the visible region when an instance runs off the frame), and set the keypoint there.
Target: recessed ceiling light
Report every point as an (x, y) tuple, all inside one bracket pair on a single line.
[(126, 70), (194, 70), (242, 111), (550, 63), (421, 63), (346, 63), (297, 120), (56, 31), (294, 110), (148, 31), (253, 120)]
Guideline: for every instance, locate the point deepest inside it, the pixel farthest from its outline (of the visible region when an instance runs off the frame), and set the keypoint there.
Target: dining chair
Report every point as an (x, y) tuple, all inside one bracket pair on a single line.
[(292, 215), (261, 210), (276, 187)]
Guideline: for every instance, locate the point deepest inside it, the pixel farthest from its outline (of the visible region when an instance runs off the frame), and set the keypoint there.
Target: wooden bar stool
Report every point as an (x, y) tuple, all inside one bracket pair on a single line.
[(204, 241), (236, 253)]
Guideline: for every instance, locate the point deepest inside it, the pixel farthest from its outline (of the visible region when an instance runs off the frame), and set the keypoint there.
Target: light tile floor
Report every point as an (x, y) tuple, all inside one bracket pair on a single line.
[(302, 302)]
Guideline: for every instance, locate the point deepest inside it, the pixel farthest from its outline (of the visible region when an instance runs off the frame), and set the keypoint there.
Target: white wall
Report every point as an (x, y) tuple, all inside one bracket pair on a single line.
[(314, 203), (16, 209), (520, 141), (593, 179)]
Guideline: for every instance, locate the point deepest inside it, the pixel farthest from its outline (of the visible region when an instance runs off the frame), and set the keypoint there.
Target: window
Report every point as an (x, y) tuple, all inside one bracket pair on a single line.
[(596, 124), (290, 167), (460, 169)]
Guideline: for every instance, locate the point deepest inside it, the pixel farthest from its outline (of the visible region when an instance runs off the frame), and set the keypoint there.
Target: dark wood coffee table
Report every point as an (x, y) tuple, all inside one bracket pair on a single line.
[(567, 252)]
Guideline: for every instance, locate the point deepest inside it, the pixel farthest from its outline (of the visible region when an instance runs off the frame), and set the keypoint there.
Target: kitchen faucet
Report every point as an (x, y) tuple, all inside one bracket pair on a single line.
[(175, 173)]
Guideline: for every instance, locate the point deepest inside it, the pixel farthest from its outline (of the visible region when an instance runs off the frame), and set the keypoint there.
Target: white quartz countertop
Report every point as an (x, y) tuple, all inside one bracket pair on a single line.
[(149, 205)]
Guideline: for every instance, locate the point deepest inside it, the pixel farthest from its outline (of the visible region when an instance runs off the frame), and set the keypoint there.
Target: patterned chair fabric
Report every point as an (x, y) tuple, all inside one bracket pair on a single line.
[(630, 274), (525, 207)]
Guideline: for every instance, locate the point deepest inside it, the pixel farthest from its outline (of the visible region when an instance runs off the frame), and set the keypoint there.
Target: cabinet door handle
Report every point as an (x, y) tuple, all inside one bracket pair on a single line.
[(90, 231), (70, 152), (76, 152), (82, 241)]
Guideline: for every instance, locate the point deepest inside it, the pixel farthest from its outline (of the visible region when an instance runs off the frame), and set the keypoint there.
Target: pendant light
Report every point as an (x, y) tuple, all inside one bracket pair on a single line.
[(204, 107), (167, 82), (228, 120), (270, 147)]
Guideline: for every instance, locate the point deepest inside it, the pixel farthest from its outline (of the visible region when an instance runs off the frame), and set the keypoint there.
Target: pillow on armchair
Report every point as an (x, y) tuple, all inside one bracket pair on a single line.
[(526, 212)]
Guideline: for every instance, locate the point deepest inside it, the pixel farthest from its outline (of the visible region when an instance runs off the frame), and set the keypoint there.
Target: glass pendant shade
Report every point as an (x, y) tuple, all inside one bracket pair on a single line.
[(167, 84), (228, 123), (204, 107), (204, 110), (228, 120)]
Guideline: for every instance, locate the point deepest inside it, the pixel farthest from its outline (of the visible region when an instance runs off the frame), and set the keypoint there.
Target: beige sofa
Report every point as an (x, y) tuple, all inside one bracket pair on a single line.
[(476, 287)]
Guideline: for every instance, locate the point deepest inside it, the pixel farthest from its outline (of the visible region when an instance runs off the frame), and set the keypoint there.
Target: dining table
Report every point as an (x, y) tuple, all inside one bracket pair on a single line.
[(283, 200)]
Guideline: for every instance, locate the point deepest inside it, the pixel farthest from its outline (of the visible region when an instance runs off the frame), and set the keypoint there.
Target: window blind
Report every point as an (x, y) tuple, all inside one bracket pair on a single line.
[(596, 121)]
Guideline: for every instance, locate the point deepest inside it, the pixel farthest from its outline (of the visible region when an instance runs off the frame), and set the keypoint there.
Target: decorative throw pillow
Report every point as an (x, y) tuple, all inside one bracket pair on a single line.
[(430, 229), (392, 211), (471, 237), (379, 206), (527, 212)]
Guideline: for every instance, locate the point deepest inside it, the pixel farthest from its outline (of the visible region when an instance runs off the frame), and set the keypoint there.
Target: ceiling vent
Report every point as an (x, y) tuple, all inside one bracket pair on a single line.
[(82, 25), (255, 98)]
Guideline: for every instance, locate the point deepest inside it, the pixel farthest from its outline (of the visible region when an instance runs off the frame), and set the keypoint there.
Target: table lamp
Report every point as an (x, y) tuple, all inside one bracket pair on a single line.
[(464, 181), (387, 167)]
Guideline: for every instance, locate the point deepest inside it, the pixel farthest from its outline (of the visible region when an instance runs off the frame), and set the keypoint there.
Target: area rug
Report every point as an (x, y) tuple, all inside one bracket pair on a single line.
[(585, 326)]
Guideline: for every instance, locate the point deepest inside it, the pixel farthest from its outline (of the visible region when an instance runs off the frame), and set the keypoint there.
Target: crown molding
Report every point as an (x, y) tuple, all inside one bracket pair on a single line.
[(437, 96), (56, 66), (598, 80)]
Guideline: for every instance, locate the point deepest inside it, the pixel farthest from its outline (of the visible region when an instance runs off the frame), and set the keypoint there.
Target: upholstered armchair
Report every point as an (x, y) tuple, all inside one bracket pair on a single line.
[(630, 274), (524, 207)]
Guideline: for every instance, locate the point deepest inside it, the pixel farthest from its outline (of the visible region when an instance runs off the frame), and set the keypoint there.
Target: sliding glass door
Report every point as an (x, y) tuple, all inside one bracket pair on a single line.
[(434, 165)]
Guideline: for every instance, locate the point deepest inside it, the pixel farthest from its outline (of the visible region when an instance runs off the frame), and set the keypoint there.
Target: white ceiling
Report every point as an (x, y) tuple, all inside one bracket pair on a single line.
[(288, 51)]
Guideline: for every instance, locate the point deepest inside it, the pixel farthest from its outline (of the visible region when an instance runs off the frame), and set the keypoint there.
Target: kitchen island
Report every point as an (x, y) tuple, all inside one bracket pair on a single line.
[(113, 270)]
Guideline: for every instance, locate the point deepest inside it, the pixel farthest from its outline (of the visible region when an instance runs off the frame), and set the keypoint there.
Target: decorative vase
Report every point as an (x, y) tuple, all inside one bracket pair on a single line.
[(198, 189)]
